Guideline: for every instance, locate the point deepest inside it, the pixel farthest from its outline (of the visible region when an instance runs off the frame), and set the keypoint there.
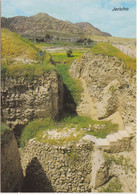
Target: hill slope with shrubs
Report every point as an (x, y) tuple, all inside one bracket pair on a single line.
[(13, 45)]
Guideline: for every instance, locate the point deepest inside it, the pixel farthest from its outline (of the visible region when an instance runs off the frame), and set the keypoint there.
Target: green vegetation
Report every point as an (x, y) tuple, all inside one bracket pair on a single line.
[(74, 86), (69, 53), (83, 122), (13, 45), (4, 129), (26, 71), (37, 127), (33, 127), (112, 89), (62, 58), (114, 186), (124, 162), (108, 49), (63, 63)]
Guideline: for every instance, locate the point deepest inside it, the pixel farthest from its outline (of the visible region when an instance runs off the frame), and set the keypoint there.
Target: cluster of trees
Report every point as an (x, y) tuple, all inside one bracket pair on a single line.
[(69, 53), (85, 41)]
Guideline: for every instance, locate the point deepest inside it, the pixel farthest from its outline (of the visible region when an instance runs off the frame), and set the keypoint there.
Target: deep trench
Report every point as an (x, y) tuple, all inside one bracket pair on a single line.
[(69, 109), (36, 179)]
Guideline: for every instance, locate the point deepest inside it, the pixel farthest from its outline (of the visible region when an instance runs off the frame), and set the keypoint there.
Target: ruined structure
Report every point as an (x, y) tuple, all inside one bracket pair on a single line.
[(23, 100), (85, 166)]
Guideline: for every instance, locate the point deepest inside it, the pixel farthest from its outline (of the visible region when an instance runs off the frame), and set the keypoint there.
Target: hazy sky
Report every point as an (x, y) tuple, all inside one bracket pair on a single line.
[(97, 12)]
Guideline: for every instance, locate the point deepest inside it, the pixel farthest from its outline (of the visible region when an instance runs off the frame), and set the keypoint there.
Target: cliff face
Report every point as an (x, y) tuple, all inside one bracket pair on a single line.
[(110, 90), (23, 100), (11, 171)]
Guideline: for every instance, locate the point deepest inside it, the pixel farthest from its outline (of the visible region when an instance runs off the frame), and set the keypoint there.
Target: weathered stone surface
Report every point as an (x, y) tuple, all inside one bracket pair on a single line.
[(11, 171), (108, 104), (100, 172), (110, 88), (24, 100)]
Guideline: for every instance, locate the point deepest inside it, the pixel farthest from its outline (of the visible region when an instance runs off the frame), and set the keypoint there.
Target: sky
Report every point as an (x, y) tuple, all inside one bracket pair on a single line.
[(97, 12)]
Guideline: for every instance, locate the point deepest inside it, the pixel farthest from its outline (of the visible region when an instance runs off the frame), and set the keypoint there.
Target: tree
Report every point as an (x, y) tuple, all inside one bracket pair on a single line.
[(69, 53)]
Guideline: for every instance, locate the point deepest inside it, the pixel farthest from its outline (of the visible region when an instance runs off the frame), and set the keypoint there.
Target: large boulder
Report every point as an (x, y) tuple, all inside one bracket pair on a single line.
[(11, 170)]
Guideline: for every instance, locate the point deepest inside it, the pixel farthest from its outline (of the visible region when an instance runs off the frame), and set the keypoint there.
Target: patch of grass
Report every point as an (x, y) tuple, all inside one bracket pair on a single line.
[(113, 187), (63, 58), (112, 89), (124, 162), (26, 71), (34, 127), (74, 86), (83, 122), (108, 49), (102, 133), (63, 63), (37, 127), (13, 45)]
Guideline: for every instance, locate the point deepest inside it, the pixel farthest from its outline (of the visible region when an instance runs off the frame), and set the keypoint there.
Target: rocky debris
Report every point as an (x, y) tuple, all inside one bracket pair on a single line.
[(11, 171), (110, 88), (55, 134)]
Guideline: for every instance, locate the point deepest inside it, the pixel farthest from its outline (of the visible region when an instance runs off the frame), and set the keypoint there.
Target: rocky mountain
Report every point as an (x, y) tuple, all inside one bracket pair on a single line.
[(42, 23), (87, 28)]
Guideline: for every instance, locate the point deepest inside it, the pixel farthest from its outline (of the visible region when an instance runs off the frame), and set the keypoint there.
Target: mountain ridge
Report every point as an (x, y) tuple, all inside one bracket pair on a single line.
[(42, 23)]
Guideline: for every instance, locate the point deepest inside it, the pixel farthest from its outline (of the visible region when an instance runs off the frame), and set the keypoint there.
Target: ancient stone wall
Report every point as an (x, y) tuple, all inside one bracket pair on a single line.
[(24, 100), (79, 167), (11, 171), (59, 169)]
